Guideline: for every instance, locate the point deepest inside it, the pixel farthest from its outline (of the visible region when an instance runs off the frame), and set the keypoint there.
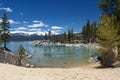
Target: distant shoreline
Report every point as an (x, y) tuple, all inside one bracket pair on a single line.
[(48, 43)]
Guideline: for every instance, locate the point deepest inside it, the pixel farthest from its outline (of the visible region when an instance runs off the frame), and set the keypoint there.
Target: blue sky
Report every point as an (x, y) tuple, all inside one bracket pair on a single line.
[(40, 16)]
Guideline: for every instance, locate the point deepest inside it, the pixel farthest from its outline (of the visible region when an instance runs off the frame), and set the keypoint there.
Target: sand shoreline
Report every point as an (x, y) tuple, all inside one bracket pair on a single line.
[(11, 72)]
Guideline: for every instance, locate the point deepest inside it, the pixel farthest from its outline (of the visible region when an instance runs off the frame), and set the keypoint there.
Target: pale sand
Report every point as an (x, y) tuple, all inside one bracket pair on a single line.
[(11, 72)]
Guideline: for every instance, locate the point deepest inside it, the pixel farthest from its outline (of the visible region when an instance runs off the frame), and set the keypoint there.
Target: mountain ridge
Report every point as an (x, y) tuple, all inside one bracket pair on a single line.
[(32, 37)]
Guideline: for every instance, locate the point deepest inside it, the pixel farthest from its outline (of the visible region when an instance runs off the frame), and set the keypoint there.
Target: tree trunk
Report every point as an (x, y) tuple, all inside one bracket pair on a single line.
[(115, 50), (19, 62), (4, 45)]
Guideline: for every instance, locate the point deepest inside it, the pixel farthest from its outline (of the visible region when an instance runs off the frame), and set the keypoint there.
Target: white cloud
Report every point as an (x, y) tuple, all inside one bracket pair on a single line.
[(7, 9), (56, 32), (0, 20), (20, 28), (18, 32), (37, 24), (53, 32), (13, 22), (56, 27), (36, 21), (33, 29)]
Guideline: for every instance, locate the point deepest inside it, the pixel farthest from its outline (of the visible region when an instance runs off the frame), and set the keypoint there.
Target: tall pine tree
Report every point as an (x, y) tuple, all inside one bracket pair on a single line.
[(111, 8), (107, 32), (5, 25), (45, 37), (109, 39), (69, 35), (65, 37), (89, 32)]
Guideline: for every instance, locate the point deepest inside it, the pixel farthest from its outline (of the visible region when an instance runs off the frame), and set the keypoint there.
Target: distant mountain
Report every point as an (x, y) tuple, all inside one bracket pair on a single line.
[(25, 37), (32, 37)]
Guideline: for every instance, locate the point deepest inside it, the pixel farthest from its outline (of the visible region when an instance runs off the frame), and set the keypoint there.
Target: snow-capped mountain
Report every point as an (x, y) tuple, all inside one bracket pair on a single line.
[(36, 36), (26, 36), (29, 33)]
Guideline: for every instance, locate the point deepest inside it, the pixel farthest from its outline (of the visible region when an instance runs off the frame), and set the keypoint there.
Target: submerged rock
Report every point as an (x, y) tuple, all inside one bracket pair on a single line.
[(92, 60), (29, 65)]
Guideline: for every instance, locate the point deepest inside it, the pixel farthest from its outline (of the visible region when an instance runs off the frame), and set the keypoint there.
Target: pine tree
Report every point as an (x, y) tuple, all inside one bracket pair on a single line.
[(109, 39), (108, 31), (65, 37), (45, 37), (72, 35), (56, 38), (84, 34), (49, 33), (0, 37), (21, 55), (69, 35), (5, 30), (93, 31), (89, 32), (112, 8)]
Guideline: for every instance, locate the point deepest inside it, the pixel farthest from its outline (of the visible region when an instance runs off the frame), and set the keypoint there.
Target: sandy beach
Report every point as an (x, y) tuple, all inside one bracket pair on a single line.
[(11, 72)]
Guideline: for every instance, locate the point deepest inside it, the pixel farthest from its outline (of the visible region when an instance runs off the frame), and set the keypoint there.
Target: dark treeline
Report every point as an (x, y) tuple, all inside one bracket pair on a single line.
[(89, 32), (66, 37)]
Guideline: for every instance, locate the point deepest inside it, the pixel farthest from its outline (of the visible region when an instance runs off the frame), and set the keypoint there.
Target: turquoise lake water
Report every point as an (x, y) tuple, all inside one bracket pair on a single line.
[(55, 56)]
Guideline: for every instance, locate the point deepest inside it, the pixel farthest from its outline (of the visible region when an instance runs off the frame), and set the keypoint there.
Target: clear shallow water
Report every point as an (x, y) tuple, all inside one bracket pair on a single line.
[(55, 56)]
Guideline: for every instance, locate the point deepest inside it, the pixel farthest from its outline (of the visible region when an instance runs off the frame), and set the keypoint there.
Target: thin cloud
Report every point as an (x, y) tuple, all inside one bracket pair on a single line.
[(13, 32), (13, 22), (37, 24), (7, 9), (56, 27), (21, 29), (33, 29), (36, 21)]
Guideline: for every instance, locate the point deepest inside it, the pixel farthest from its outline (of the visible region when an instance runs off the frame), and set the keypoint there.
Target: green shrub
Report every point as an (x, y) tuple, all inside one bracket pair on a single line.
[(21, 54), (108, 58)]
